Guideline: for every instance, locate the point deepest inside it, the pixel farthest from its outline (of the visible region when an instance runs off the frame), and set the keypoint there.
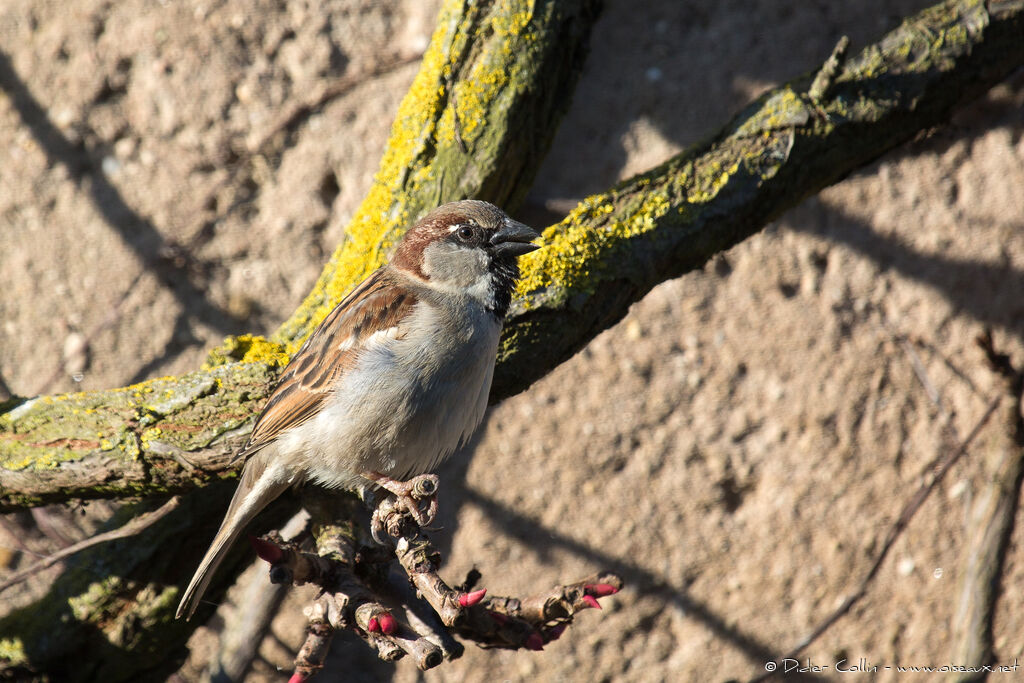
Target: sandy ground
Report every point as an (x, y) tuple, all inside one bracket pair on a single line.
[(737, 447)]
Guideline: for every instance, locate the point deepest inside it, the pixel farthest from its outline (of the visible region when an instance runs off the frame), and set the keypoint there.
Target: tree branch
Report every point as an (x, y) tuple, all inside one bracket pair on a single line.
[(173, 434), (169, 435), (109, 616)]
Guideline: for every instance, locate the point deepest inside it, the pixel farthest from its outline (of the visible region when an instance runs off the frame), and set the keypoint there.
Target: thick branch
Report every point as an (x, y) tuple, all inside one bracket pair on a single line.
[(615, 246), (513, 66), (113, 608)]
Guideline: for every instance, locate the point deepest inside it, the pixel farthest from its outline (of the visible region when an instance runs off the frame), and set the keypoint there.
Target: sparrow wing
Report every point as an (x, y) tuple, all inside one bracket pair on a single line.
[(377, 305)]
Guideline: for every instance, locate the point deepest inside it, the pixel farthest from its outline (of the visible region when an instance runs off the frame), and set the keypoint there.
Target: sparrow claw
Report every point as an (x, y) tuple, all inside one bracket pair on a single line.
[(409, 495)]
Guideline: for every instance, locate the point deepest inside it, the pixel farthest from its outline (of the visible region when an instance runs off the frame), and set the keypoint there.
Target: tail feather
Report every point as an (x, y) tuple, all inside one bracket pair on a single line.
[(258, 487)]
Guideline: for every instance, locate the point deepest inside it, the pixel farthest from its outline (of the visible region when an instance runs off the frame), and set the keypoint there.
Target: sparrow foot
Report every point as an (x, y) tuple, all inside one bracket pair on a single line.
[(410, 496)]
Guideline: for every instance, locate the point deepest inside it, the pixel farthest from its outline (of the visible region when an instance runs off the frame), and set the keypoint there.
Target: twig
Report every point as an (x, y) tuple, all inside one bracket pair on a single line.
[(327, 93), (129, 529), (358, 592), (244, 628), (933, 474), (826, 76), (922, 376)]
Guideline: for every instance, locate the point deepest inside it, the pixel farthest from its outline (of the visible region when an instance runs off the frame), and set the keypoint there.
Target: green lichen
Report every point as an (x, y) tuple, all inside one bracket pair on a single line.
[(781, 109), (90, 605)]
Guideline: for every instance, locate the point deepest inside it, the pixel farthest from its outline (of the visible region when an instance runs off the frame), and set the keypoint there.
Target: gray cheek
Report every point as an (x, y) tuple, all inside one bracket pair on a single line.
[(446, 263)]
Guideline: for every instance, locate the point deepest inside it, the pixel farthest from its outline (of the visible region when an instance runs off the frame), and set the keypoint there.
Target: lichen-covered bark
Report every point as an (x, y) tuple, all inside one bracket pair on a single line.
[(110, 615), (167, 435), (155, 437), (477, 121), (510, 66), (786, 146)]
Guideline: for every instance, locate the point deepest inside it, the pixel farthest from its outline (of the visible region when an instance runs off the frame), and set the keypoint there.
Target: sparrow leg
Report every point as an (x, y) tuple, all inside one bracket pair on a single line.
[(410, 494)]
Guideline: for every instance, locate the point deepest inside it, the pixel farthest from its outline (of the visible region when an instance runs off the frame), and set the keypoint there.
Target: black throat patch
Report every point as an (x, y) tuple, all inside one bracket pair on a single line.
[(504, 273)]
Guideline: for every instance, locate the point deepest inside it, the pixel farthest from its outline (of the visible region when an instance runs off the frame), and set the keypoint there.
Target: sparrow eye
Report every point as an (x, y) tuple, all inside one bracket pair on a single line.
[(465, 233)]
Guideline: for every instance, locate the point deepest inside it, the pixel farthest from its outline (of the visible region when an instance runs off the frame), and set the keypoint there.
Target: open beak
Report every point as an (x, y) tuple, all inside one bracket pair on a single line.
[(514, 239)]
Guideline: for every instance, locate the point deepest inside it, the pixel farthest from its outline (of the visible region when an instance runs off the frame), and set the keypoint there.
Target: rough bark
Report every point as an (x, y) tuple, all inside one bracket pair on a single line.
[(174, 434)]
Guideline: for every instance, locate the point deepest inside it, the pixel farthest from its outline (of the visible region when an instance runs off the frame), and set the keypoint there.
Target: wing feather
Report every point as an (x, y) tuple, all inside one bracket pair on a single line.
[(378, 304)]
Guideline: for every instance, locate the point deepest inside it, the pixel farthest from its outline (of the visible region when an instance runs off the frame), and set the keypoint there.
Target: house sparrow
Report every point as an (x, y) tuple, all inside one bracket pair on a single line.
[(394, 379)]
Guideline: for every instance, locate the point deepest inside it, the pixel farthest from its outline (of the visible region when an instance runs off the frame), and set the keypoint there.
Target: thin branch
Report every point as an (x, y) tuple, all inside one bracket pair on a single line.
[(358, 592), (129, 529), (933, 474), (245, 627)]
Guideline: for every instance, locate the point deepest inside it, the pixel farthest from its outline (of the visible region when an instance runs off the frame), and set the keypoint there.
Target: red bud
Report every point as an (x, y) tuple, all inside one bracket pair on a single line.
[(388, 625), (469, 599), (592, 601), (600, 589), (269, 552)]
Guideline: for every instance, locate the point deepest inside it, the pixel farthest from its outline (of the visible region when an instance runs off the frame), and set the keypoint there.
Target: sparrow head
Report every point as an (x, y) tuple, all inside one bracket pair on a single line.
[(468, 247)]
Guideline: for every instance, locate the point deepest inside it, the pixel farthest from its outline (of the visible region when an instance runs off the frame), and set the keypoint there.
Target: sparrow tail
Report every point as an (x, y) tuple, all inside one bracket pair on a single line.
[(258, 487)]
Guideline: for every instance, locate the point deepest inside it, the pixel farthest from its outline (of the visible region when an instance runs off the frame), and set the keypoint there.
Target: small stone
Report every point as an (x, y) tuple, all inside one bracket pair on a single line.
[(76, 353)]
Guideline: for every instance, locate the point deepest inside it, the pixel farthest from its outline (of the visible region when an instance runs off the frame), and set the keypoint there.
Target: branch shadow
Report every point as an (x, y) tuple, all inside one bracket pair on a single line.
[(988, 292), (543, 540), (173, 266)]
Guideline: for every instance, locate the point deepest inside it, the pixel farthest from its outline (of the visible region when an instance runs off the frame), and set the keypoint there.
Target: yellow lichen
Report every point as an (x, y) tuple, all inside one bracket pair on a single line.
[(12, 652), (574, 251), (248, 348), (425, 118)]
